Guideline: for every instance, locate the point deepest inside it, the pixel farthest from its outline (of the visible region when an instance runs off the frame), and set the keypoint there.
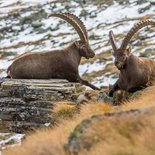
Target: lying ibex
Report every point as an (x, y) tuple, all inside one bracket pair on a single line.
[(135, 72), (61, 64)]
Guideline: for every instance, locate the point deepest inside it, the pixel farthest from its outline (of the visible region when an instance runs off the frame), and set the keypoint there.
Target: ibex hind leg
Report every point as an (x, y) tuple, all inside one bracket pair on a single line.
[(132, 90), (7, 77)]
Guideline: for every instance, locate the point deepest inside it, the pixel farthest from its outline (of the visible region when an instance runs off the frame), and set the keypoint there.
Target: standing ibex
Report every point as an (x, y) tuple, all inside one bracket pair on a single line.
[(62, 64), (135, 72)]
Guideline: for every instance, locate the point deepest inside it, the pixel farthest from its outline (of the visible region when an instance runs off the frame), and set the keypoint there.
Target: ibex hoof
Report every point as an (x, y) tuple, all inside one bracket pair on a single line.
[(111, 93), (97, 88)]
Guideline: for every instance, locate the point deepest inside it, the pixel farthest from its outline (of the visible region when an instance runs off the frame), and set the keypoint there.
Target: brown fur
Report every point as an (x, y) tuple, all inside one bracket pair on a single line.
[(135, 72), (60, 64)]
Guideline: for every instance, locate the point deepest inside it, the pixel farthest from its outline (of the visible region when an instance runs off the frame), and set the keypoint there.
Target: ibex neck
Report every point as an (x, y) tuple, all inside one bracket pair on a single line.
[(74, 53), (130, 63)]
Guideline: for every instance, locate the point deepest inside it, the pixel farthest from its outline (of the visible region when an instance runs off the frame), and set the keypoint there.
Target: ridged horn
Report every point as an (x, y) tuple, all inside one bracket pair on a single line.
[(134, 29), (113, 41), (81, 24), (73, 22)]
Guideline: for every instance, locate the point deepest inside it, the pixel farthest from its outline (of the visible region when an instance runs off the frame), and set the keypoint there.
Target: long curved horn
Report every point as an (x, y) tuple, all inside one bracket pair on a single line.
[(134, 29), (81, 24), (113, 41), (73, 22)]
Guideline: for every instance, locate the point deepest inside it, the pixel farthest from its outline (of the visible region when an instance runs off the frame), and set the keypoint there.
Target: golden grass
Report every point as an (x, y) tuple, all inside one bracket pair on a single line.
[(122, 136), (51, 141), (147, 99)]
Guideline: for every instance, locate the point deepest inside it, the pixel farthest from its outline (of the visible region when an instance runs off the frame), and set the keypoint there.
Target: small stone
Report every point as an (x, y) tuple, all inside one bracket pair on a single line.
[(16, 28), (142, 10), (102, 96), (36, 24), (152, 2), (82, 99)]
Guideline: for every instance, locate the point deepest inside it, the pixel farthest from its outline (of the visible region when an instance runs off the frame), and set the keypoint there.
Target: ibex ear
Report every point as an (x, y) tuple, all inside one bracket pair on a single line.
[(78, 44), (128, 50)]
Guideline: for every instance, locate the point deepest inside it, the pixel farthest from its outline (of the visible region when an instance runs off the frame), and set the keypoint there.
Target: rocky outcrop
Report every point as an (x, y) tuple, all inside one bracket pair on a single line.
[(112, 128), (28, 104)]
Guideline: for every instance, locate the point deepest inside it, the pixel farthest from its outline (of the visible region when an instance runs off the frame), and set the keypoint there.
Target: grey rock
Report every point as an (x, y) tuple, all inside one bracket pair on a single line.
[(82, 99), (84, 136), (27, 104), (36, 24), (102, 96)]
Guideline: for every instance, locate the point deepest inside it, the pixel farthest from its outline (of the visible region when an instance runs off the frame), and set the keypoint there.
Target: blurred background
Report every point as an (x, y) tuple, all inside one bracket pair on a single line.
[(25, 27)]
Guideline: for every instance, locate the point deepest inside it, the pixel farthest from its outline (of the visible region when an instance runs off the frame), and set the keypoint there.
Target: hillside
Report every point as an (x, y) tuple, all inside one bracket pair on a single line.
[(97, 128)]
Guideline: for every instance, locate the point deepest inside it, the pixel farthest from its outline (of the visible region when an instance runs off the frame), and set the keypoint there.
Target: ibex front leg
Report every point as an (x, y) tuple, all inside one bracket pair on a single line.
[(114, 88), (86, 83), (76, 78)]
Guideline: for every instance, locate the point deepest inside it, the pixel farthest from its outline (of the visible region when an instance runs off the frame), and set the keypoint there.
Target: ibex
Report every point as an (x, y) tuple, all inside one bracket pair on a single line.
[(135, 72), (61, 64)]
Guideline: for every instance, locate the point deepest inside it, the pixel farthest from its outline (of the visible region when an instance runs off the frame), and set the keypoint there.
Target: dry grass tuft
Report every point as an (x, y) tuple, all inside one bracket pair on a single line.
[(146, 99), (64, 111)]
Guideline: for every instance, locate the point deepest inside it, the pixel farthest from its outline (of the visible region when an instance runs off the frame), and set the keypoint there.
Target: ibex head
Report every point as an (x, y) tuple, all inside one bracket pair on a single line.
[(83, 44), (85, 49), (121, 54)]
